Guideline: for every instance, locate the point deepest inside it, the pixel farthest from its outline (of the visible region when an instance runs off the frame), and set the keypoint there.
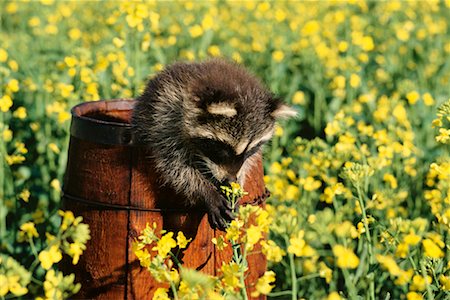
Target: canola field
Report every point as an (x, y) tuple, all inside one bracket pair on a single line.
[(360, 180)]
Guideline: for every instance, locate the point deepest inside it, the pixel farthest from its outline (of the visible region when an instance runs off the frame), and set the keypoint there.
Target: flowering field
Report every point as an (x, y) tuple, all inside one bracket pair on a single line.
[(360, 180)]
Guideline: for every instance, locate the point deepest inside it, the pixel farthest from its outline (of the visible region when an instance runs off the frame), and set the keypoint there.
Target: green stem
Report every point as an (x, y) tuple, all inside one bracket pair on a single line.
[(349, 284), (174, 290), (430, 295), (294, 290), (33, 248), (306, 277), (366, 225), (279, 294), (369, 239), (293, 276), (2, 184), (242, 262)]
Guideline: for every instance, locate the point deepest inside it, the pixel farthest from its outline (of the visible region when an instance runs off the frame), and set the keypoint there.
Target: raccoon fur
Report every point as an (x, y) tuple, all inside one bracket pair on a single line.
[(204, 123)]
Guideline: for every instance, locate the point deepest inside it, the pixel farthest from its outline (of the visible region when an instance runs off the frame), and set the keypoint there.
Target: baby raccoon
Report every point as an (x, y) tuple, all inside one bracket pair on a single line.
[(203, 123)]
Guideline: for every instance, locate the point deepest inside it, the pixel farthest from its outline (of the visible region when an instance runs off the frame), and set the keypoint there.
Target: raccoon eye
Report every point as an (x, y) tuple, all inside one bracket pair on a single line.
[(216, 151), (255, 149)]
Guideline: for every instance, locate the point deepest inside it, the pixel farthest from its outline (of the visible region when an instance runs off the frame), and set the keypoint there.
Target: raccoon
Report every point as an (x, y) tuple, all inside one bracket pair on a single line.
[(204, 123)]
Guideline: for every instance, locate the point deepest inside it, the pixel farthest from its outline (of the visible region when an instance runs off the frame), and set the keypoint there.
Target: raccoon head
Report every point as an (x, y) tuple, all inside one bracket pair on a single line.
[(231, 116)]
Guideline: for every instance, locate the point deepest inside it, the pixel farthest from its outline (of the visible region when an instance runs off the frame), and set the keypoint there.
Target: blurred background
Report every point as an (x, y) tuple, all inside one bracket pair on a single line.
[(360, 180)]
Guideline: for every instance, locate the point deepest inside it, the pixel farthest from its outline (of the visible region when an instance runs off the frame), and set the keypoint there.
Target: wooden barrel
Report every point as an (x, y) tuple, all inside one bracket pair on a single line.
[(110, 181)]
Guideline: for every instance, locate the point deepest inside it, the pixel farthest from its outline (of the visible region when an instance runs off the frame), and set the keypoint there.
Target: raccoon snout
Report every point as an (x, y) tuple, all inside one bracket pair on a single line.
[(231, 178)]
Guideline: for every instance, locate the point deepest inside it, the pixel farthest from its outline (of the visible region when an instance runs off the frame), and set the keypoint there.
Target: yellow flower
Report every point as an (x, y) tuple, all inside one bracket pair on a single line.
[(339, 82), (277, 55), (63, 116), (388, 262), (445, 282), (367, 43), (342, 46), (214, 50), (119, 43), (230, 274), (20, 113), (413, 296), (14, 159), (20, 147), (233, 230), (278, 130), (253, 235), (75, 250), (402, 250), (428, 99), (208, 22), (3, 285), (404, 277), (431, 249), (25, 195), (52, 282), (334, 296), (65, 89), (70, 61), (299, 98), (56, 185), (74, 34), (34, 22), (298, 246), (344, 229), (411, 239), (263, 285), (161, 294), (355, 80), (141, 253), (389, 178), (402, 34), (444, 136), (12, 7), (67, 219), (54, 148), (27, 230), (181, 240), (325, 272), (5, 103), (419, 283), (412, 97), (292, 192), (49, 257), (3, 55), (310, 28), (272, 251), (14, 286), (310, 184), (195, 31), (346, 258), (400, 114), (165, 244), (51, 29), (7, 134), (219, 242)]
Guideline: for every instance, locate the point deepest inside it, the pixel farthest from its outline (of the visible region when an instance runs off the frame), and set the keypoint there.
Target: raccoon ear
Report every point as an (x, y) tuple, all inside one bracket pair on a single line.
[(222, 108), (284, 111)]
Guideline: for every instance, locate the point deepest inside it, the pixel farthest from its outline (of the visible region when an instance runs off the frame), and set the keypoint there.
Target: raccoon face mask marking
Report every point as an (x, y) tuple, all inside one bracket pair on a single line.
[(225, 162)]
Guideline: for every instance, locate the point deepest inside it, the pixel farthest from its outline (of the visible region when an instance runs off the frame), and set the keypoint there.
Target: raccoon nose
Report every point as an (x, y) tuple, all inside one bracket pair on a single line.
[(231, 178)]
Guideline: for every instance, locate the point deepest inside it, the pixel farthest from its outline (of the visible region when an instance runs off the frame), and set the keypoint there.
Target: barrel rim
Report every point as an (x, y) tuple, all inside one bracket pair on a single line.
[(129, 105), (102, 131)]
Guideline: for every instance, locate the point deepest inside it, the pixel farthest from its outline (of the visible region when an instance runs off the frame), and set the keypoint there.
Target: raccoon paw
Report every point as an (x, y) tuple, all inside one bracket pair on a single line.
[(220, 213)]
